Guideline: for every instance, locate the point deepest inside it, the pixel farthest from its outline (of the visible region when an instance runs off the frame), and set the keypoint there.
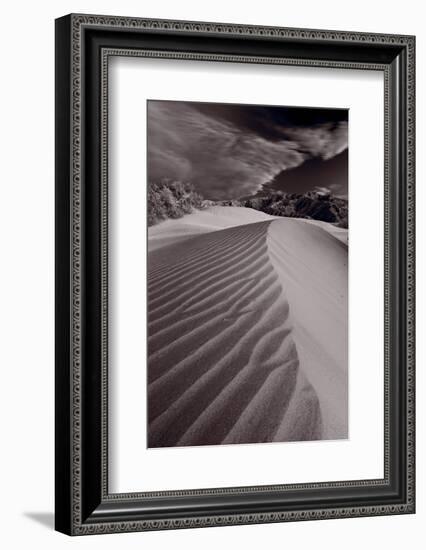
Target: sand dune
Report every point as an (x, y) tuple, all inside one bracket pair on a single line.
[(247, 335), (201, 221)]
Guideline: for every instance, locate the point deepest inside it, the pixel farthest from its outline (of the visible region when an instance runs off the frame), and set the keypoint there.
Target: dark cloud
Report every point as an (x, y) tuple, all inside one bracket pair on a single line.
[(229, 151)]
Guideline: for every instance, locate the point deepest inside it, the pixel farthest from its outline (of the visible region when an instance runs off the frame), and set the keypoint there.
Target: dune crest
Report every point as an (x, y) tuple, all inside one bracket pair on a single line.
[(223, 362)]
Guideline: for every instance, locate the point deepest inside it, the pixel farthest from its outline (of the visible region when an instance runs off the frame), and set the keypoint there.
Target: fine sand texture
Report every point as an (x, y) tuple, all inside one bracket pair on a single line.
[(247, 324)]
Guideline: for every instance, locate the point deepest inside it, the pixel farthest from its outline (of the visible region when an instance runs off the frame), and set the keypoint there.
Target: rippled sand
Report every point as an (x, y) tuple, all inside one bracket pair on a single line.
[(229, 311)]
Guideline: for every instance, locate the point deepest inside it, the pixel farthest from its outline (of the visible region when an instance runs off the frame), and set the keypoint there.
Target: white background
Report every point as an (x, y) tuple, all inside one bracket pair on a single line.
[(26, 301), (361, 455)]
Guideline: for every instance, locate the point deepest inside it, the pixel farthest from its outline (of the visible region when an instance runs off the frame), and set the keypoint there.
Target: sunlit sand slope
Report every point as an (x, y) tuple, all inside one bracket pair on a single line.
[(223, 365), (312, 264)]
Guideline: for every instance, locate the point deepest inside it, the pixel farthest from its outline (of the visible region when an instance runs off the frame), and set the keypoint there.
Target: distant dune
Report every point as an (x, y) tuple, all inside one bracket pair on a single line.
[(246, 325)]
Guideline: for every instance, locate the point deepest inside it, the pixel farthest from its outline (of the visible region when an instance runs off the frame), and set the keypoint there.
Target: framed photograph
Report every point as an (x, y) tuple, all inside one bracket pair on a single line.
[(234, 274)]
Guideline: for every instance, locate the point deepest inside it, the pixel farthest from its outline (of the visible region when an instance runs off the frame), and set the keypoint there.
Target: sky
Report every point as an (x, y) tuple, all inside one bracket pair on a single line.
[(229, 151)]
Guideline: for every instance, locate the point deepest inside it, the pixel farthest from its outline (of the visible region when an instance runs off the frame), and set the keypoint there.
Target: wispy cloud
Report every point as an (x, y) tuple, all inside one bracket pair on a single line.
[(224, 159), (324, 140)]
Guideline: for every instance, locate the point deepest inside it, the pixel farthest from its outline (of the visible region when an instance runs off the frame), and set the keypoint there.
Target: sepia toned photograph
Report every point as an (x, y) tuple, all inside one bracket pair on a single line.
[(247, 209), (234, 274)]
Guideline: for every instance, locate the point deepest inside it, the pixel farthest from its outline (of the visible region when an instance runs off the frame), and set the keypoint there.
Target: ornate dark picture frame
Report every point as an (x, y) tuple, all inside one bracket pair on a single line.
[(84, 44)]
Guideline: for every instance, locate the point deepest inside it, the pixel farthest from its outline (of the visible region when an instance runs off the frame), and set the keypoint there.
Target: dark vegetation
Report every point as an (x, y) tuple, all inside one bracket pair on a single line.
[(173, 199)]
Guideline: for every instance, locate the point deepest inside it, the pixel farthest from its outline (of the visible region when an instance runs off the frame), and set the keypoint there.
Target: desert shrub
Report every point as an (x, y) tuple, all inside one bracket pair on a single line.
[(156, 205), (171, 199), (343, 222)]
